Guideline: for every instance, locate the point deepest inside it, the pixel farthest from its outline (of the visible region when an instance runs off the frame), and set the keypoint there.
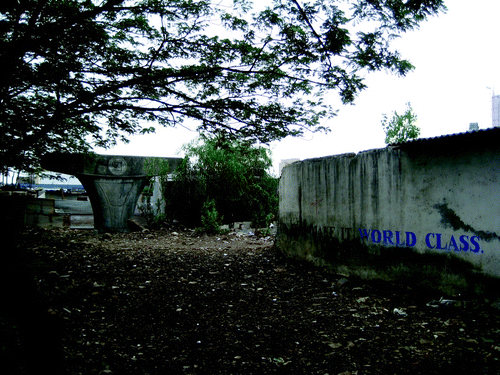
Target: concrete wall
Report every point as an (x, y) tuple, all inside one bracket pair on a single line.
[(21, 209), (434, 196)]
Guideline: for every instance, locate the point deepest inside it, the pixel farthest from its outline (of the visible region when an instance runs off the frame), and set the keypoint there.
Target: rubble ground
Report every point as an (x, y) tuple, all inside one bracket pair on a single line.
[(164, 302)]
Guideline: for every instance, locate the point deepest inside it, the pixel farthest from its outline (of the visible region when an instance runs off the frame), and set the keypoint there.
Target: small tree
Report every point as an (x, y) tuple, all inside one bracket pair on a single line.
[(400, 128), (210, 218), (473, 127)]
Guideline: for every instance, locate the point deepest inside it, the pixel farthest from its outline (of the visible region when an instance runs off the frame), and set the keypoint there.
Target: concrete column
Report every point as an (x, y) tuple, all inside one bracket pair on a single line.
[(113, 183), (113, 200)]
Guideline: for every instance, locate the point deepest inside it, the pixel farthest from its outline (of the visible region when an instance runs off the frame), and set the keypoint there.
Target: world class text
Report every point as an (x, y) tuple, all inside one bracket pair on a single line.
[(436, 241)]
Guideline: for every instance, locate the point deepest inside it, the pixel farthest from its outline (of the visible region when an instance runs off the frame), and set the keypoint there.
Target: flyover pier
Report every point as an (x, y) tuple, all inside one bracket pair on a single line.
[(113, 183)]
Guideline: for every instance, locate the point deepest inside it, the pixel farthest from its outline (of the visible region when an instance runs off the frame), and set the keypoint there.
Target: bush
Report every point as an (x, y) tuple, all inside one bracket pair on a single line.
[(210, 219), (234, 175)]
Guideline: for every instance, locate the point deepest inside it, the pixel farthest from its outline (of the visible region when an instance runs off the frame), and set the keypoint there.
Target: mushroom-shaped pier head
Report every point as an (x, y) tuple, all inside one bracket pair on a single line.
[(113, 183)]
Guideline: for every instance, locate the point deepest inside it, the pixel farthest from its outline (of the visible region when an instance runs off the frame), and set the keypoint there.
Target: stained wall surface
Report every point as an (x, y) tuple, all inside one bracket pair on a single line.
[(433, 196)]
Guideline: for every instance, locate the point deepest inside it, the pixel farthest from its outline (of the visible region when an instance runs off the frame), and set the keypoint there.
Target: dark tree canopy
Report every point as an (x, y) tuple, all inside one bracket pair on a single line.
[(79, 73)]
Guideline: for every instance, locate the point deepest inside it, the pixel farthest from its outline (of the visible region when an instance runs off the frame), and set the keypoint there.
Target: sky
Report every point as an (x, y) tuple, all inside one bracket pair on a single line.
[(457, 70)]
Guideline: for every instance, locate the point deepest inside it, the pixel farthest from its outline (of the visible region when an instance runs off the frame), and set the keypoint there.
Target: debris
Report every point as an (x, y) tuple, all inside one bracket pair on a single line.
[(240, 307), (399, 312), (446, 303), (451, 302)]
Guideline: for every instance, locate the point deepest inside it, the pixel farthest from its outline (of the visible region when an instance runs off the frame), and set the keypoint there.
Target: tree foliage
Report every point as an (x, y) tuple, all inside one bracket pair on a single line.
[(401, 128), (473, 127), (230, 178), (85, 73)]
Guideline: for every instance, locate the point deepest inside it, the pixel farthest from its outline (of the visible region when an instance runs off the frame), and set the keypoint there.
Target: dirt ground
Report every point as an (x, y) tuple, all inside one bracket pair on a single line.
[(166, 302)]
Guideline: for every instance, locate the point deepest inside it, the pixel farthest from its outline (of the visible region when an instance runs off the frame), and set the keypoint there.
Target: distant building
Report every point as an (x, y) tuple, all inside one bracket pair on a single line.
[(495, 111)]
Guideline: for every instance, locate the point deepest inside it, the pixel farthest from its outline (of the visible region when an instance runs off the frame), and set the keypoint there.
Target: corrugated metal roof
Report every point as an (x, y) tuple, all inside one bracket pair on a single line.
[(483, 135)]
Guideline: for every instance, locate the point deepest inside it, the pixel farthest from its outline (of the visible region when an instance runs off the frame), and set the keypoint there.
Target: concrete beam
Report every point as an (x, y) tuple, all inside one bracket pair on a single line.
[(113, 183)]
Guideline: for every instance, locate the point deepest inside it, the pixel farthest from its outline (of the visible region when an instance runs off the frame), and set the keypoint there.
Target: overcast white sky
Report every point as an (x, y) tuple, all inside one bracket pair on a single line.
[(457, 62)]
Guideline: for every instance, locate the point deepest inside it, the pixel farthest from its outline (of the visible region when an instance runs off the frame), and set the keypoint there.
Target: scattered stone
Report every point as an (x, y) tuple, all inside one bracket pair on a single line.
[(399, 312), (335, 345), (446, 303), (107, 237)]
